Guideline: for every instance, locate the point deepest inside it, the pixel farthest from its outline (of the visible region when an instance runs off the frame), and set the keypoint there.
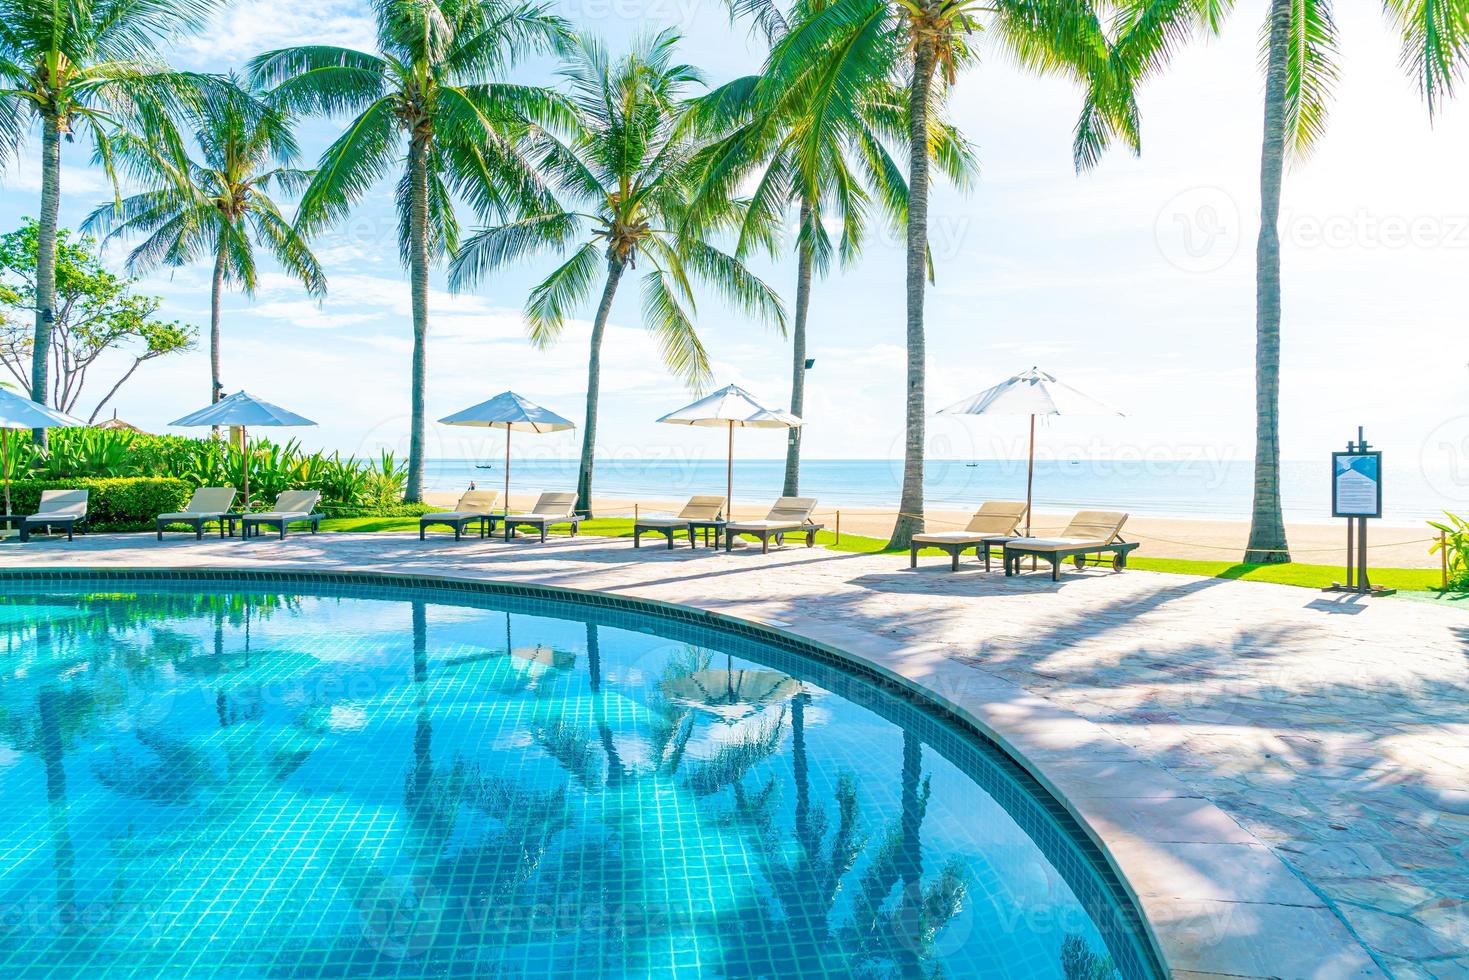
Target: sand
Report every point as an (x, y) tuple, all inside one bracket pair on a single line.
[(1160, 537)]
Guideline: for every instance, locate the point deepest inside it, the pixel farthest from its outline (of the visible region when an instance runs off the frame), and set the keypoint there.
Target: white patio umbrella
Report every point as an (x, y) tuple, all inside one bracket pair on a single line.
[(19, 412), (731, 408), (510, 412), (244, 410), (1032, 393)]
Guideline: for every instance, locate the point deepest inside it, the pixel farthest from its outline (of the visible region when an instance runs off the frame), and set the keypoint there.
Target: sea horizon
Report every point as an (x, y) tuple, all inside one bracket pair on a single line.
[(1181, 488)]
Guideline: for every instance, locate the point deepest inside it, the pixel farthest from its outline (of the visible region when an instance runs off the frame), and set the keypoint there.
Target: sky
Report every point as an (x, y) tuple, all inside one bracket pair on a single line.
[(1134, 282)]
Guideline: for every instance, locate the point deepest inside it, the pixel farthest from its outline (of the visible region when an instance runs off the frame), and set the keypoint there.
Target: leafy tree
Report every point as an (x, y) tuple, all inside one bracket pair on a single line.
[(1300, 59), (630, 166), (434, 88), (87, 66), (97, 312), (217, 206), (920, 46), (819, 147)]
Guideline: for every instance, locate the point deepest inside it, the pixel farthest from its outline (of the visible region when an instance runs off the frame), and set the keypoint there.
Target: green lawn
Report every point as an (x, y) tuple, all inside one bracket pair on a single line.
[(1306, 576)]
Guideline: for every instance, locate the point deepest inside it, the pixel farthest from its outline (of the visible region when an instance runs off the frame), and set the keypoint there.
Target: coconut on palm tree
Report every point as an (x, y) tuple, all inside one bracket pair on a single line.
[(821, 149), (1300, 59), (219, 205), (430, 105), (82, 67), (630, 167), (920, 45)]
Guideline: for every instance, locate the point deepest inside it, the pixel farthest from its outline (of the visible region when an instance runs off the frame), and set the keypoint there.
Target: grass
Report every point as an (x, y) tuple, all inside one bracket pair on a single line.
[(1305, 576)]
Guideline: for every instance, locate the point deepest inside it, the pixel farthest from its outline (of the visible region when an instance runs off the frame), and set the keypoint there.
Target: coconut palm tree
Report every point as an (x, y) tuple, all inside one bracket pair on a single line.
[(821, 149), (921, 45), (218, 205), (88, 67), (630, 166), (1301, 69), (432, 105)]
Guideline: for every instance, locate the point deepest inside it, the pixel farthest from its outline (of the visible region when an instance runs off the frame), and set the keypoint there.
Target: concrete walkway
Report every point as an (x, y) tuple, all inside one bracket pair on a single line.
[(1282, 777)]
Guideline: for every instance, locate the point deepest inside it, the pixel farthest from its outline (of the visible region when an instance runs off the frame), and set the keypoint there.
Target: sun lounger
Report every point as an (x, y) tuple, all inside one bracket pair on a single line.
[(474, 507), (991, 525), (704, 511), (550, 509), (58, 508), (1091, 532), (790, 515), (207, 504), (291, 507)]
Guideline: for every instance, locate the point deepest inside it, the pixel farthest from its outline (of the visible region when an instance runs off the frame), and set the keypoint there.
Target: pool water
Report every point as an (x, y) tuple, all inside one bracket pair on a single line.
[(210, 781)]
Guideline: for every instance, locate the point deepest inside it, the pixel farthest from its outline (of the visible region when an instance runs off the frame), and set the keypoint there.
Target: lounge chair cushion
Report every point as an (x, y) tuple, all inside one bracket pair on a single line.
[(475, 502), (788, 512), (549, 506), (276, 515), (706, 508), (957, 537), (62, 505), (191, 515), (207, 501), (293, 502), (1056, 544), (456, 515), (666, 521)]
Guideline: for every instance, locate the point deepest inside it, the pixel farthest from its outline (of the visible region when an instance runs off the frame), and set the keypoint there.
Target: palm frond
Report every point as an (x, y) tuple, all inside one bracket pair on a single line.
[(552, 301)]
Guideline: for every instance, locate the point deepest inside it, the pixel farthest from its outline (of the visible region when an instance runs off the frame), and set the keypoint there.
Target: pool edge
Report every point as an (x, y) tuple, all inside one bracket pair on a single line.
[(1166, 846)]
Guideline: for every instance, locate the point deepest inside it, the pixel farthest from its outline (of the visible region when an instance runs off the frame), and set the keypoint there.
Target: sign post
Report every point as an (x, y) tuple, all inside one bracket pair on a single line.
[(1356, 494)]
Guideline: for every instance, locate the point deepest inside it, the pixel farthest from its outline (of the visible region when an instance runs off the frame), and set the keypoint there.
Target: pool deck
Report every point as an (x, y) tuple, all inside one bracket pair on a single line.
[(1282, 777)]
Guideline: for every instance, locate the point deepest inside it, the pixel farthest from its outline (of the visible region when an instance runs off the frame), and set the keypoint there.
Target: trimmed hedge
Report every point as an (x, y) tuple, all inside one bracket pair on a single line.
[(113, 504)]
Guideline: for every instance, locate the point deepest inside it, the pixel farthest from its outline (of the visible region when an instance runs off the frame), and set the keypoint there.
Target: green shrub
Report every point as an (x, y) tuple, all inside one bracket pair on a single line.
[(361, 487), (113, 503)]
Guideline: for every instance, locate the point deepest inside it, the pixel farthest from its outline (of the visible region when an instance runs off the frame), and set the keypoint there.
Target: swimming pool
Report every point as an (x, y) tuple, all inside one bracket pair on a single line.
[(287, 779)]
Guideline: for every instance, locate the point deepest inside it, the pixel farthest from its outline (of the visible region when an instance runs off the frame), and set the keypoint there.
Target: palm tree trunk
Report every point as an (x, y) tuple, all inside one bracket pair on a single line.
[(46, 263), (1267, 526), (594, 387), (910, 504), (216, 296), (418, 272), (798, 351)]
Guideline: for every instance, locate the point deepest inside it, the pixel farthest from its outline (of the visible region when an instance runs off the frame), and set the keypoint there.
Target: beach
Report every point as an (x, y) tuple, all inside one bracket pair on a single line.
[(1390, 546)]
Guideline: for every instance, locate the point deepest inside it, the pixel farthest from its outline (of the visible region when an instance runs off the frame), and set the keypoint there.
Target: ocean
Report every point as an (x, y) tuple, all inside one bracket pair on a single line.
[(1165, 488)]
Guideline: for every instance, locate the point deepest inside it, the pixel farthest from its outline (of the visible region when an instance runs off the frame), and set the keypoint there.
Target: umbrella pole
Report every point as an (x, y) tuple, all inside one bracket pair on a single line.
[(729, 475), (5, 464), (1030, 476), (507, 469), (1029, 486), (245, 463)]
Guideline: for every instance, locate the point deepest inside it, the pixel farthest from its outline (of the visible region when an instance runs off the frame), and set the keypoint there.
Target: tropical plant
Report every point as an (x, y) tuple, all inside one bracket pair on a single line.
[(83, 66), (630, 166), (921, 45), (97, 313), (820, 147), (217, 206), (435, 86), (1300, 59), (1453, 544)]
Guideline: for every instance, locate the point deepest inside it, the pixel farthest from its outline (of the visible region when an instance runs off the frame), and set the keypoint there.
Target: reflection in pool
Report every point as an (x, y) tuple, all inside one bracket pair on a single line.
[(217, 782)]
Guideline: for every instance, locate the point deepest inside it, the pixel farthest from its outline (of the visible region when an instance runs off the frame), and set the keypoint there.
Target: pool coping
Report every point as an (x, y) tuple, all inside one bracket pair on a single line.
[(1214, 900)]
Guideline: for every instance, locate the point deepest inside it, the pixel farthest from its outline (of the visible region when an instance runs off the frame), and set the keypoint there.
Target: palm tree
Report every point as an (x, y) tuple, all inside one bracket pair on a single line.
[(218, 206), (1300, 60), (921, 45), (433, 89), (820, 148), (630, 166), (82, 66)]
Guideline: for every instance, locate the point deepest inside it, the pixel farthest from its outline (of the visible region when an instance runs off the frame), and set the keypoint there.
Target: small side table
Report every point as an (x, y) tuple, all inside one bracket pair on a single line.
[(16, 520), (710, 528)]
